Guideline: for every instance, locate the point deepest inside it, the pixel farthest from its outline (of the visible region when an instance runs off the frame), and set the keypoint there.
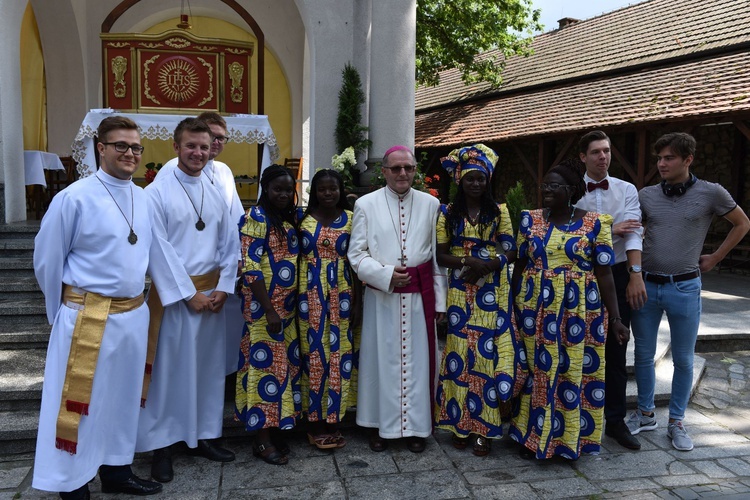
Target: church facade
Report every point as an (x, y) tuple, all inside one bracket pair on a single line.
[(299, 48)]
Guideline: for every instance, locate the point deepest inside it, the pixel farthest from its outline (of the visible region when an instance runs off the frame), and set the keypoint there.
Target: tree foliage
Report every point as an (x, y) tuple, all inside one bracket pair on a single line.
[(349, 128), (475, 36)]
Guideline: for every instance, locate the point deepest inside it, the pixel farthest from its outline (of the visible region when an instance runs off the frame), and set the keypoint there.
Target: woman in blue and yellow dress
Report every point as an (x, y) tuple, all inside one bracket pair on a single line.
[(565, 307), (481, 361), (328, 310), (268, 392)]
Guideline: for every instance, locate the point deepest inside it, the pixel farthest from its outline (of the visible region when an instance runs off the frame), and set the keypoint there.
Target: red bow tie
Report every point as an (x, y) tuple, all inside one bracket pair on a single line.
[(597, 185)]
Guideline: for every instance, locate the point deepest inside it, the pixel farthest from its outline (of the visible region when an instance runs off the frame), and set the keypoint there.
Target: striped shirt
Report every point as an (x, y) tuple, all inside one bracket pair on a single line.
[(676, 226)]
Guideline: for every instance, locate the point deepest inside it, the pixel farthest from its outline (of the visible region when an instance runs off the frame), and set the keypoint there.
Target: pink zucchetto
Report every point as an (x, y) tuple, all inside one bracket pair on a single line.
[(396, 148)]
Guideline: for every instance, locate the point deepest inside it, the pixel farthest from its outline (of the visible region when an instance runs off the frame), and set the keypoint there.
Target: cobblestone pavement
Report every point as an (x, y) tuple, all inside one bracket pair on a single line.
[(718, 419)]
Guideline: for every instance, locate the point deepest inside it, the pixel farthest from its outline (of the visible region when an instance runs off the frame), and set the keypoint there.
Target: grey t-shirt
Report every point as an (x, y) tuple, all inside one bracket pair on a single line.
[(676, 227)]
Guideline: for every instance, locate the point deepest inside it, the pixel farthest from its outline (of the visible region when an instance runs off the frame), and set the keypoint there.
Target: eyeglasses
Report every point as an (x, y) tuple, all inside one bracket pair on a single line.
[(553, 186), (406, 168), (221, 138), (122, 147)]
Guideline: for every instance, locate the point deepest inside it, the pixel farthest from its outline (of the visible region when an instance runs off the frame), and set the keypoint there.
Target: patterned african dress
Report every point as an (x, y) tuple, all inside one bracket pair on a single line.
[(268, 393), (327, 341), (482, 351), (562, 321)]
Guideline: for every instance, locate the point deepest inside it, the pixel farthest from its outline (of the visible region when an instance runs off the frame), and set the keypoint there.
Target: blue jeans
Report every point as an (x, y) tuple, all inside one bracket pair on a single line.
[(682, 303)]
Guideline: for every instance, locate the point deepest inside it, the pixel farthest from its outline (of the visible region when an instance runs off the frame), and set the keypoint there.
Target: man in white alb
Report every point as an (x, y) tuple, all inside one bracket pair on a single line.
[(392, 249), (192, 274), (222, 178), (90, 258)]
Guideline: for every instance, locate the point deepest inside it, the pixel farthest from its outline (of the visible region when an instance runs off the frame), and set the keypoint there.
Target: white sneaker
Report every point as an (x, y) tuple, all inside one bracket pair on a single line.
[(680, 439), (637, 421)]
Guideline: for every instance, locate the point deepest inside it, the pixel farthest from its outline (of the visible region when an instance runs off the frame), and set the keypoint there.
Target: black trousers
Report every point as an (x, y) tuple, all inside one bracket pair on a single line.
[(615, 374), (107, 473)]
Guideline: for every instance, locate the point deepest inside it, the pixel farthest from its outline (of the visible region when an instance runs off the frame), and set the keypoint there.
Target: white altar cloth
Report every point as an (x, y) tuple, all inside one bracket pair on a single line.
[(36, 162), (250, 129)]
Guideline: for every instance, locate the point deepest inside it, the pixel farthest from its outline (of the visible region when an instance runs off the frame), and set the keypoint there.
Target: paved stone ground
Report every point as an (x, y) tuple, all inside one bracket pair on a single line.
[(718, 419)]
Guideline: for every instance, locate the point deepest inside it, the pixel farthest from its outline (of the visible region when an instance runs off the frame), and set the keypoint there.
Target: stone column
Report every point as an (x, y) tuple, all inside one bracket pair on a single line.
[(329, 33), (392, 66), (11, 113)]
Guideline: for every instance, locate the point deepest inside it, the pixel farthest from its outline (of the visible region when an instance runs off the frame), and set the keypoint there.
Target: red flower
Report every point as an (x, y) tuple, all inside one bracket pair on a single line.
[(150, 175)]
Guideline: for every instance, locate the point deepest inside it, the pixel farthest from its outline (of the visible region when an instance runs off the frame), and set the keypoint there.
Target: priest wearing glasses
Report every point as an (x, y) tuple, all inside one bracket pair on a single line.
[(392, 249), (90, 258)]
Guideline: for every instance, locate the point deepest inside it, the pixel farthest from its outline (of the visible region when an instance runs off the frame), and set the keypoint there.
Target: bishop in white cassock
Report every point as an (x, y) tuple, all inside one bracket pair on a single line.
[(393, 234), (191, 224)]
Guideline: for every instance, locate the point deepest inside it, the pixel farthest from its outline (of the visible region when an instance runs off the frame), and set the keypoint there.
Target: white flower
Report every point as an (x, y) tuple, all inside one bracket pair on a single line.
[(345, 159)]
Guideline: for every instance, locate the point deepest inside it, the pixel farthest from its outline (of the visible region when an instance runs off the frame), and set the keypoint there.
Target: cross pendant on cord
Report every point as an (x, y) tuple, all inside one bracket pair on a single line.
[(403, 260)]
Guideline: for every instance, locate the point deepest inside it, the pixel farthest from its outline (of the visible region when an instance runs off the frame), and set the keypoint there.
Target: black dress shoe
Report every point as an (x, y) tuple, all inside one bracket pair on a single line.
[(620, 432), (210, 451), (416, 444), (377, 443), (161, 465), (81, 493), (132, 486)]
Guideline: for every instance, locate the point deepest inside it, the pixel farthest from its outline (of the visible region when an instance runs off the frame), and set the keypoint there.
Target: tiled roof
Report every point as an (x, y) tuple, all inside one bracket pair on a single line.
[(707, 87), (640, 34)]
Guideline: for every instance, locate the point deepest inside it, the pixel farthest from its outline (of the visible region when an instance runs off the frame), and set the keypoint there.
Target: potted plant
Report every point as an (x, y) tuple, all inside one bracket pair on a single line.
[(350, 133)]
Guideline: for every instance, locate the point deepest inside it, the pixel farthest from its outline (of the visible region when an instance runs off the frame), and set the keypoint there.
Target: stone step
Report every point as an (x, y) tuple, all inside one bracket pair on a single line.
[(663, 387), (18, 431), (24, 307), (18, 428), (662, 347), (21, 377), (21, 297), (16, 247), (16, 267), (19, 230), (25, 337), (19, 284)]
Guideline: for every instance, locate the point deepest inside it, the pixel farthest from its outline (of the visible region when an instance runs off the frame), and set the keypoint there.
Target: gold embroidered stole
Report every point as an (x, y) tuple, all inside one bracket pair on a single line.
[(84, 353)]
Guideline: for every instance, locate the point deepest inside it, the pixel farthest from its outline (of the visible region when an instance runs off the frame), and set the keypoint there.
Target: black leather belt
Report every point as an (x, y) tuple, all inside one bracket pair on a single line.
[(670, 278)]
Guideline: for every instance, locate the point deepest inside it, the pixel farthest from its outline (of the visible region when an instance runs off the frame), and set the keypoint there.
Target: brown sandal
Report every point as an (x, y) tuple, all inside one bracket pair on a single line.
[(481, 445), (340, 441), (323, 441), (459, 442)]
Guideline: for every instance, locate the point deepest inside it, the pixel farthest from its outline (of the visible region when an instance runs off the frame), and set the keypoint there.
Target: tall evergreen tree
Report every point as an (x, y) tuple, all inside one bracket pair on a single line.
[(349, 128)]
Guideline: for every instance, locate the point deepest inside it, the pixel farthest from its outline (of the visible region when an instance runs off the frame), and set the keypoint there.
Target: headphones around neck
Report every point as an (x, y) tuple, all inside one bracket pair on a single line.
[(678, 189)]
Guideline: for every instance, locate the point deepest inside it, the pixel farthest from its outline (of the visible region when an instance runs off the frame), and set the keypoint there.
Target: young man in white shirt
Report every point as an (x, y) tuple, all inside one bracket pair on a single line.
[(618, 198)]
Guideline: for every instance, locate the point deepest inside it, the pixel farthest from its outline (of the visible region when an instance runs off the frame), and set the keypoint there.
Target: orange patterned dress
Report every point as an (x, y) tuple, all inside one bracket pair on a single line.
[(268, 393), (329, 344), (563, 323)]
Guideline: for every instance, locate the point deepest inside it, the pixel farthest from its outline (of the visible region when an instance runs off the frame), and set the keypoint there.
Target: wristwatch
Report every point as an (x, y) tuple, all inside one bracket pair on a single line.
[(635, 268)]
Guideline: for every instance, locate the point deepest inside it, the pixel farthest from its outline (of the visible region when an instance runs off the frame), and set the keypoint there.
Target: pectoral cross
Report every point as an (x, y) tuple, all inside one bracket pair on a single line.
[(403, 259)]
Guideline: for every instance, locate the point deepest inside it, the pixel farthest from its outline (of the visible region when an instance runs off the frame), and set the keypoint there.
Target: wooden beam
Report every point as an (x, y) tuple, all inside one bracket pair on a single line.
[(525, 162), (623, 161), (739, 154), (651, 174), (742, 128), (640, 179), (540, 172), (564, 150)]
